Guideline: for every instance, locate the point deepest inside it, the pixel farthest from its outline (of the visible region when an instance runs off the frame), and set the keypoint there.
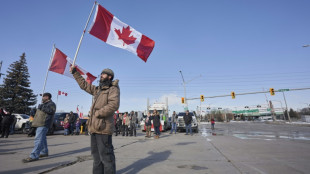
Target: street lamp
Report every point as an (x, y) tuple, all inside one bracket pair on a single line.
[(186, 105), (184, 85)]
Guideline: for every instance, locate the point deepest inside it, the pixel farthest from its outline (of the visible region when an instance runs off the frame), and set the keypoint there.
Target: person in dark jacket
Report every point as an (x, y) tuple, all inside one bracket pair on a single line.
[(72, 123), (6, 123), (13, 124), (43, 120), (119, 123), (156, 123), (188, 122), (148, 125), (133, 122), (32, 130)]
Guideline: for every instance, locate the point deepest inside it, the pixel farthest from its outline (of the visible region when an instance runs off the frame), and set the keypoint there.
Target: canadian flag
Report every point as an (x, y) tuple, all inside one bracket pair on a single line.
[(61, 64), (114, 32), (62, 93), (78, 112)]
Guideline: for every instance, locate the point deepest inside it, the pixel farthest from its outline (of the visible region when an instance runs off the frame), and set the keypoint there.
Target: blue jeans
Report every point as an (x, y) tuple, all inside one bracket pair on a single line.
[(157, 131), (40, 143), (77, 129), (189, 126), (66, 132), (173, 127)]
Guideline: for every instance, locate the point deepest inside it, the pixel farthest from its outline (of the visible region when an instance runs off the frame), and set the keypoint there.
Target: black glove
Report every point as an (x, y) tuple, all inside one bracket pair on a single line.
[(40, 106), (73, 70)]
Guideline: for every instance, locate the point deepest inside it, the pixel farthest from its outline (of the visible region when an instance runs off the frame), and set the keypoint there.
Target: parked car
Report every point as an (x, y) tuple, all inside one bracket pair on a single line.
[(181, 123), (22, 121), (58, 122)]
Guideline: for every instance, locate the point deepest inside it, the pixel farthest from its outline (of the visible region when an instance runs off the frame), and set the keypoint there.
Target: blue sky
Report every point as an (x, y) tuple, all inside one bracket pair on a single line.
[(233, 45)]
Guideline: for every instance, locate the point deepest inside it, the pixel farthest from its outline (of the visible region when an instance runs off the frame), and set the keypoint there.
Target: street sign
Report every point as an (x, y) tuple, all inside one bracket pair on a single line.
[(282, 90)]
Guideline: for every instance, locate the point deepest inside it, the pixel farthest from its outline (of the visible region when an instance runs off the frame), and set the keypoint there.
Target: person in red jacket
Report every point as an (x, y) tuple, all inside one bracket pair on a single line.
[(212, 123)]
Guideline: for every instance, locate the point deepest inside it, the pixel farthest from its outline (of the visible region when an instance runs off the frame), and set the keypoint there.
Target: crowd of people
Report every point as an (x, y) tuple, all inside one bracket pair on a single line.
[(71, 125), (126, 124)]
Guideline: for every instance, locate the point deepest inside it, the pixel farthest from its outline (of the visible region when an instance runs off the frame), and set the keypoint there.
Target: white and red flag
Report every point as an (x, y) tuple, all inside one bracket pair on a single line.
[(62, 93), (61, 64), (78, 112), (111, 30)]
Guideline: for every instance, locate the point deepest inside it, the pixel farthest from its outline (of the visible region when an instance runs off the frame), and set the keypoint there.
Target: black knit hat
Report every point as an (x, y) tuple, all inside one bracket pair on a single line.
[(48, 94)]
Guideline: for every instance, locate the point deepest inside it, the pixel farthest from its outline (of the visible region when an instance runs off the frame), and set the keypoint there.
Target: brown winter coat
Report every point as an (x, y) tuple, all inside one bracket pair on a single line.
[(105, 102)]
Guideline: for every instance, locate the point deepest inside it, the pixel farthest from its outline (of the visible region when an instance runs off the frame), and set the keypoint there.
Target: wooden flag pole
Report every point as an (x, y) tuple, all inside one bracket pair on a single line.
[(48, 67), (78, 48)]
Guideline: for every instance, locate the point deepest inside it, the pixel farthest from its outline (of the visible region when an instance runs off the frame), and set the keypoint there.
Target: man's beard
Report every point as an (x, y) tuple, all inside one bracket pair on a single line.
[(105, 82)]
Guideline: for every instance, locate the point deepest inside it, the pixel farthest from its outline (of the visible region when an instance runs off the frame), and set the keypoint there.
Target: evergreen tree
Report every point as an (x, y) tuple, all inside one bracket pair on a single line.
[(15, 92)]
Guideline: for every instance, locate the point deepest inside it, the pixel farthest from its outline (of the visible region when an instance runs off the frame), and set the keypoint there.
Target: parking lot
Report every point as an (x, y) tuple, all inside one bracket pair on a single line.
[(239, 147)]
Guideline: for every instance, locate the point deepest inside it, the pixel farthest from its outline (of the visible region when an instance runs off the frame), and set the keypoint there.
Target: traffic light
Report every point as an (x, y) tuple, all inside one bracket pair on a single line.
[(271, 91), (233, 96), (183, 100), (202, 98)]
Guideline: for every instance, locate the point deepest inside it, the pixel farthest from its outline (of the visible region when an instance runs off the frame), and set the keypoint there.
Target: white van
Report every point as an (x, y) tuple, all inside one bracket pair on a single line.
[(21, 122)]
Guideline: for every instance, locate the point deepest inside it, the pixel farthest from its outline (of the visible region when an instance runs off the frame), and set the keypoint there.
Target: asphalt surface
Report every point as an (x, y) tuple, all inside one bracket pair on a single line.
[(244, 147)]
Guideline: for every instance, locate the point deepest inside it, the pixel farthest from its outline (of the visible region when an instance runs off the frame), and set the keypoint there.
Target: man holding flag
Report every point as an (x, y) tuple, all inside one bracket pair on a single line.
[(100, 124)]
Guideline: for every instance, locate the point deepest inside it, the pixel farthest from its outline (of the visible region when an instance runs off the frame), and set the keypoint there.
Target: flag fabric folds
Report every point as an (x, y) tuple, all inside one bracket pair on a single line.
[(111, 30), (61, 64)]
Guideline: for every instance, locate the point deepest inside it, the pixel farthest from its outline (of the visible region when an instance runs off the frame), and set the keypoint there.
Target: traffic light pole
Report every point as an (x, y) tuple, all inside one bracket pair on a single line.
[(287, 111), (185, 99)]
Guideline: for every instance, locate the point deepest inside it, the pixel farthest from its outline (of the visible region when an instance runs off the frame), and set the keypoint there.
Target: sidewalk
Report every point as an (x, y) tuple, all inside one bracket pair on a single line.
[(169, 154)]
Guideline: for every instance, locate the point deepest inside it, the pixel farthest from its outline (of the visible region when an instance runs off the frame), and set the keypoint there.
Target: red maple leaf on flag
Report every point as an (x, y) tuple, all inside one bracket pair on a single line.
[(124, 35)]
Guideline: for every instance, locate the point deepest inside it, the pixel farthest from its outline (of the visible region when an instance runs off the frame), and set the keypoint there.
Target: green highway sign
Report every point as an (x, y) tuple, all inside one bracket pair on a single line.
[(245, 111), (282, 90)]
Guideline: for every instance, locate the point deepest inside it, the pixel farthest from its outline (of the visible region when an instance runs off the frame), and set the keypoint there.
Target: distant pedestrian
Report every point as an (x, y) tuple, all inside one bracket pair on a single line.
[(66, 125), (126, 124), (32, 130), (77, 126), (115, 117), (72, 120), (13, 124), (133, 122), (148, 125), (119, 123), (156, 123), (174, 119), (212, 123), (6, 123), (188, 122), (42, 121)]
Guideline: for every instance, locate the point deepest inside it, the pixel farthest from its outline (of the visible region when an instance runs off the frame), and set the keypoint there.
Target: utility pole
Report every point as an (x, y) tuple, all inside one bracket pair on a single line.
[(0, 69), (184, 85), (186, 105), (287, 111)]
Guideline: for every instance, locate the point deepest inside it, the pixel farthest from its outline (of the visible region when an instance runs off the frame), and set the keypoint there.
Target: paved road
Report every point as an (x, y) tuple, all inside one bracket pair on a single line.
[(231, 148)]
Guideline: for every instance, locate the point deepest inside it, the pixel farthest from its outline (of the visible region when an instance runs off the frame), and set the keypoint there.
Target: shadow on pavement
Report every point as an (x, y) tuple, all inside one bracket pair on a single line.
[(145, 162), (68, 153), (32, 169), (185, 143)]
